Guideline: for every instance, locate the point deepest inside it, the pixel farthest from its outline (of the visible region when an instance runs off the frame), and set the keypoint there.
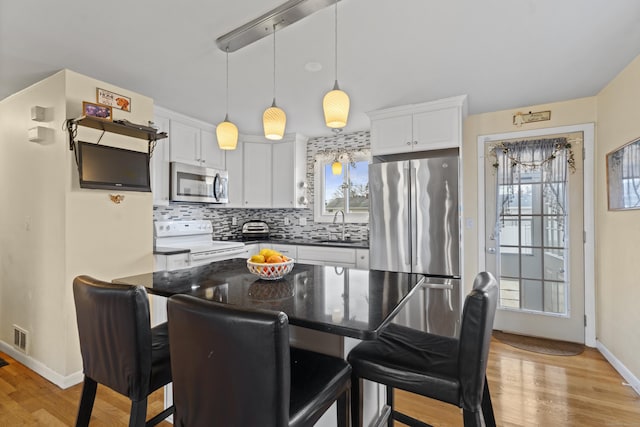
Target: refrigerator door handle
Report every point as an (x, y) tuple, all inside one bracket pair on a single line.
[(412, 220)]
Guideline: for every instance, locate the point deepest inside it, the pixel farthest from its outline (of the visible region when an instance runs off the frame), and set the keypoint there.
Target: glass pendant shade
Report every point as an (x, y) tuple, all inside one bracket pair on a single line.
[(227, 134), (336, 168), (274, 121), (336, 108)]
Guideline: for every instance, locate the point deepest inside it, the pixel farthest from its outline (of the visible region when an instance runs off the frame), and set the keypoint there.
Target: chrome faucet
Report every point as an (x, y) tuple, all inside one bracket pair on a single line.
[(335, 216)]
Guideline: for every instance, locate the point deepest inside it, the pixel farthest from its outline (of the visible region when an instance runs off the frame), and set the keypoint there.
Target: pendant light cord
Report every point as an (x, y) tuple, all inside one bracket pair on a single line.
[(274, 63), (227, 95), (336, 41)]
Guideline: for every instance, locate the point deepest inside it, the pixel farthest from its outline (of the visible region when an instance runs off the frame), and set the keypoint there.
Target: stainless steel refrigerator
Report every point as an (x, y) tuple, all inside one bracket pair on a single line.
[(414, 227)]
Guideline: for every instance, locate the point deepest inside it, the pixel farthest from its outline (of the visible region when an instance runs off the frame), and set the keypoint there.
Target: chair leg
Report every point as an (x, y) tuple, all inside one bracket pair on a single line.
[(390, 403), (356, 401), (487, 407), (138, 413), (343, 411), (86, 402), (472, 419)]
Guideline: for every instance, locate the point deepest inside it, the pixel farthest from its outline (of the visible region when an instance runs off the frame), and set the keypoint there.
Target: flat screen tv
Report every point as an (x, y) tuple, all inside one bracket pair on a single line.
[(111, 168)]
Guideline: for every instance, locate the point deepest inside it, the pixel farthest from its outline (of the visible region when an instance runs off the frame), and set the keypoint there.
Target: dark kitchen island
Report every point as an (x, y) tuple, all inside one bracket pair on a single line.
[(342, 301), (330, 309)]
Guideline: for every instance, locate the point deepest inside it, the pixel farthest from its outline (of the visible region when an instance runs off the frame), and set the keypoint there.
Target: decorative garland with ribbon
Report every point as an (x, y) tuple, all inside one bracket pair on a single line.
[(507, 150)]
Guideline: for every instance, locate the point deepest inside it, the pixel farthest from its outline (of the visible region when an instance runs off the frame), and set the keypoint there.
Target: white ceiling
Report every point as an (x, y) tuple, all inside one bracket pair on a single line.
[(503, 53)]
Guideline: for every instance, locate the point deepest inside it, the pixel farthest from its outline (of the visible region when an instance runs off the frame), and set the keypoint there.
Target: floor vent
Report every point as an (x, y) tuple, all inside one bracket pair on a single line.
[(20, 338)]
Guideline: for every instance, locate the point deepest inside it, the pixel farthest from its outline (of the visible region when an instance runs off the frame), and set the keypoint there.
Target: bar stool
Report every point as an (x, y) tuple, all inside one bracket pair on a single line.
[(119, 348), (452, 370), (233, 367)]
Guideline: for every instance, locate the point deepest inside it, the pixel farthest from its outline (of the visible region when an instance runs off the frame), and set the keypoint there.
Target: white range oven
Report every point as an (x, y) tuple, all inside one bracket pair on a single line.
[(195, 237)]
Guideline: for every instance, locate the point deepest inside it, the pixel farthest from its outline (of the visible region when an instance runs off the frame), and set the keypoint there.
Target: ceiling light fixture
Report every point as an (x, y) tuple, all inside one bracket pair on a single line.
[(274, 119), (286, 14), (227, 132), (336, 102)]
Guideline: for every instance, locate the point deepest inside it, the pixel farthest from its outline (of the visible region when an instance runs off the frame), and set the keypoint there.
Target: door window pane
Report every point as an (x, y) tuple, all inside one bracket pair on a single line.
[(532, 264), (532, 295), (509, 265)]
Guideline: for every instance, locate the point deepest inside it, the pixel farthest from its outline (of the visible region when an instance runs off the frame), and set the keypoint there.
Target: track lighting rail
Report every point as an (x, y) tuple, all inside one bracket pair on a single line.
[(282, 16)]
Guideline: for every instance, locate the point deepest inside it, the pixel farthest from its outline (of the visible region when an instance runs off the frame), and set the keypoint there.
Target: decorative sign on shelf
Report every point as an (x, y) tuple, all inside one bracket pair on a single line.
[(520, 118), (114, 100)]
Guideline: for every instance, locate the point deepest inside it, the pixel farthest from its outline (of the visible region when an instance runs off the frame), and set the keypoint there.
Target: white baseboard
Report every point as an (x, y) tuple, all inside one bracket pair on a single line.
[(633, 381), (41, 369)]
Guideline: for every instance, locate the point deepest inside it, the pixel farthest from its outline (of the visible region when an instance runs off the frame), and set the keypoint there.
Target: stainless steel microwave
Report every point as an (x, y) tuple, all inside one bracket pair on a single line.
[(191, 183)]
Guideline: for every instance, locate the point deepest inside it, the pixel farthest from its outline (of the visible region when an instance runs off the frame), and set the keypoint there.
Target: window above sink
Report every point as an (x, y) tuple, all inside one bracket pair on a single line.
[(331, 187)]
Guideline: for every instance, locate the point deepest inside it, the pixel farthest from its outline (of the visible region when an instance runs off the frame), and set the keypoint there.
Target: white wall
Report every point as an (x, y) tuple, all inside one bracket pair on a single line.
[(32, 182), (618, 232), (73, 231)]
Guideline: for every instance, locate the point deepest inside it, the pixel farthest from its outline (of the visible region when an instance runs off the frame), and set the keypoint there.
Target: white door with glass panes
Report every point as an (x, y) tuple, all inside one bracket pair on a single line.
[(533, 206)]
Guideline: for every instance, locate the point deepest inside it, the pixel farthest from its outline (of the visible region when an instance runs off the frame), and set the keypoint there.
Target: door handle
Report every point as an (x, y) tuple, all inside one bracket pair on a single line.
[(491, 250)]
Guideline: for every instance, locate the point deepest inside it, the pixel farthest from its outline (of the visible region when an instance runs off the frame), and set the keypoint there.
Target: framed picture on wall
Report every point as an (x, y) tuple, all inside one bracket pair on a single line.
[(103, 112), (623, 177), (114, 100)]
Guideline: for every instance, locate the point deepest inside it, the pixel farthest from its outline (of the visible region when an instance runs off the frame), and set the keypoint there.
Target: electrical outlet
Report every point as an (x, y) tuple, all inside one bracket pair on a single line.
[(302, 221), (234, 221), (287, 221)]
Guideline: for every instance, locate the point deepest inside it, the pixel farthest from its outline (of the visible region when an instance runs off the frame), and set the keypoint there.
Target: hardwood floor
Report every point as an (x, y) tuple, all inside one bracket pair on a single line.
[(530, 389), (527, 389)]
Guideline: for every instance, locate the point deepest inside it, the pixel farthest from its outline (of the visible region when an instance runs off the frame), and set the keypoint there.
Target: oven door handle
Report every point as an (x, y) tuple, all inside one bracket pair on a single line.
[(217, 256)]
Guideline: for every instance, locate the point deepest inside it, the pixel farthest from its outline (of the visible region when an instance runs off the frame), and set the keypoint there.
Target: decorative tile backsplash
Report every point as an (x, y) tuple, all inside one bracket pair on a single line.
[(222, 218)]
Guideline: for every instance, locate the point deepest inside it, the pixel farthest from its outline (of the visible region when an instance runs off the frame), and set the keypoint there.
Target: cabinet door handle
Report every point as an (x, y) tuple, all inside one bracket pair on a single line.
[(408, 142), (415, 142)]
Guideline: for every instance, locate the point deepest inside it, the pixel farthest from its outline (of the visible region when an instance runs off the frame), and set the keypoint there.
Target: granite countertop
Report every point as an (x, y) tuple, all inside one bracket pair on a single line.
[(343, 301), (356, 244)]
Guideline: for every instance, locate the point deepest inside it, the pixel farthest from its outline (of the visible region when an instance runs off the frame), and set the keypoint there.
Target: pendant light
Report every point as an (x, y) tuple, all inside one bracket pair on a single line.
[(336, 168), (336, 102), (227, 132), (274, 119)]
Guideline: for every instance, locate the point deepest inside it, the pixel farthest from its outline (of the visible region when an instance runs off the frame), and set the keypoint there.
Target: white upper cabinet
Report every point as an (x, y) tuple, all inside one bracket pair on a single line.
[(194, 142), (273, 171), (235, 168), (289, 171), (160, 162), (257, 174), (419, 127), (210, 153), (392, 134), (185, 143)]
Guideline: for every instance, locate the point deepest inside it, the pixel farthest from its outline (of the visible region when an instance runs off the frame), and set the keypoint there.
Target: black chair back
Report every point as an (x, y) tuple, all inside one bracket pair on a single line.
[(115, 335), (475, 336), (229, 364)]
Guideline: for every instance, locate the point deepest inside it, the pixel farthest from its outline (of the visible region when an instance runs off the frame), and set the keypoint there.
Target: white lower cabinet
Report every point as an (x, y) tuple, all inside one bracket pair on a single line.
[(251, 249), (362, 258), (317, 255), (290, 251)]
